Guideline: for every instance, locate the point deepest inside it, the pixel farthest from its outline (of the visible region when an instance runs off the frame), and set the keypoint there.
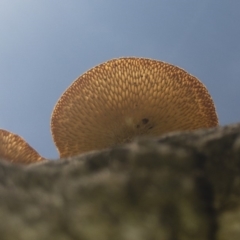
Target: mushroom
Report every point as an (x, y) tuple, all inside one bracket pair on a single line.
[(15, 149), (120, 99)]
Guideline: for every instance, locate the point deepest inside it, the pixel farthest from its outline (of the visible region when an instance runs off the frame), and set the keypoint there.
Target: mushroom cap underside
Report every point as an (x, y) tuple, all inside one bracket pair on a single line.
[(127, 97), (15, 149)]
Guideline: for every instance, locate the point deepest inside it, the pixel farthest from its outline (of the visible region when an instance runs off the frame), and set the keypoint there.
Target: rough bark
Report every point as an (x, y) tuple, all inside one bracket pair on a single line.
[(180, 186)]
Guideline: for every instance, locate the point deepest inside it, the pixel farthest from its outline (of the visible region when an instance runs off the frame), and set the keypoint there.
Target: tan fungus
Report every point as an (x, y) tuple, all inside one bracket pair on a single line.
[(15, 149), (123, 98), (128, 97)]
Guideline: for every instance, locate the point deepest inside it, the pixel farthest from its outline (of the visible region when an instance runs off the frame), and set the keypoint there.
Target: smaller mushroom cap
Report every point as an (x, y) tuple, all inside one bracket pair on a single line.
[(15, 149), (123, 98)]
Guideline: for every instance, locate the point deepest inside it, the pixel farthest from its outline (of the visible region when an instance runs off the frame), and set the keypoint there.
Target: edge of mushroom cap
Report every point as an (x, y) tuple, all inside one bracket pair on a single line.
[(205, 100), (15, 149)]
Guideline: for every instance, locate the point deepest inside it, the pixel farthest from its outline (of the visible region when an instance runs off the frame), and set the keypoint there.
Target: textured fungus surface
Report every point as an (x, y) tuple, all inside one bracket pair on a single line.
[(15, 149), (123, 98)]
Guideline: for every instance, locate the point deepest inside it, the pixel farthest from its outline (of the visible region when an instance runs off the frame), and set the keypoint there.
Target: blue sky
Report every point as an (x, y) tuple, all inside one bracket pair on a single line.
[(45, 45)]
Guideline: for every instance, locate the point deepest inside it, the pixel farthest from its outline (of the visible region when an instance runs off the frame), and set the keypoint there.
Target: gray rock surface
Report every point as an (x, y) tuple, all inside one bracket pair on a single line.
[(181, 186)]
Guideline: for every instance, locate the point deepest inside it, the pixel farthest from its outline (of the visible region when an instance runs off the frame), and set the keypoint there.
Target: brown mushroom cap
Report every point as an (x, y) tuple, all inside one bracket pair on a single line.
[(123, 98), (15, 149)]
